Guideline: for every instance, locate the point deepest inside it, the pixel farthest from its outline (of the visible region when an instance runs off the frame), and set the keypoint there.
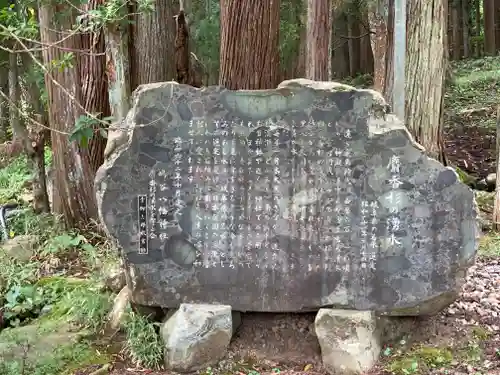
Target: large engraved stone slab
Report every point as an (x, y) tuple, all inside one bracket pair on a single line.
[(292, 199)]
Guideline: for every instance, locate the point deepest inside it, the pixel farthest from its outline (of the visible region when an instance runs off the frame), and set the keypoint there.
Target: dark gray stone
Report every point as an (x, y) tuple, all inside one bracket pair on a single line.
[(331, 225)]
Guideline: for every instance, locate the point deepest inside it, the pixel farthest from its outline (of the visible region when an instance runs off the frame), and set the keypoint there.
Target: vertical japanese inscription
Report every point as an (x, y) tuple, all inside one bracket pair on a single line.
[(393, 221), (142, 210)]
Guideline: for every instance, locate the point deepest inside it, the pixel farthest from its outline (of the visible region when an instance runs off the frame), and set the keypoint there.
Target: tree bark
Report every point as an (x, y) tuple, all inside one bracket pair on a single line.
[(425, 72), (35, 136), (455, 25), (319, 40), (489, 27), (118, 70), (497, 24), (4, 88), (15, 100), (249, 49), (74, 197), (366, 54), (496, 206), (340, 50), (379, 17), (466, 28), (152, 44), (477, 4), (353, 59), (94, 84)]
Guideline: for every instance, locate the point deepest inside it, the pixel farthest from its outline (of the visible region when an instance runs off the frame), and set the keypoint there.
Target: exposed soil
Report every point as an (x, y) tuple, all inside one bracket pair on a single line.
[(470, 147)]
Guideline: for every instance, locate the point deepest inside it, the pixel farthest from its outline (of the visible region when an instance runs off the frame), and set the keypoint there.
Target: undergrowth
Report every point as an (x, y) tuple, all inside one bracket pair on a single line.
[(143, 344), (61, 283), (475, 86)]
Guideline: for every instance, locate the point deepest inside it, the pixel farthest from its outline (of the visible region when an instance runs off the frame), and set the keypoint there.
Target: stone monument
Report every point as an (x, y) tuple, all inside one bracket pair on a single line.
[(307, 196)]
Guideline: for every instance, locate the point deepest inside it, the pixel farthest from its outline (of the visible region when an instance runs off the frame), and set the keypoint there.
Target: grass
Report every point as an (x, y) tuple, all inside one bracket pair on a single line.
[(143, 344), (424, 359), (420, 360), (489, 246), (475, 85)]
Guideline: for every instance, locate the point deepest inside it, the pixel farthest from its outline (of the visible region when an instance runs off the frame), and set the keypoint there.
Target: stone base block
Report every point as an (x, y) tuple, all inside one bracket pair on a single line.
[(350, 340), (196, 336)]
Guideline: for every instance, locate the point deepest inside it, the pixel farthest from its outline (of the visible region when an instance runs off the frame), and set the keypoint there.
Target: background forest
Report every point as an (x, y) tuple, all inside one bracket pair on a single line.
[(67, 72)]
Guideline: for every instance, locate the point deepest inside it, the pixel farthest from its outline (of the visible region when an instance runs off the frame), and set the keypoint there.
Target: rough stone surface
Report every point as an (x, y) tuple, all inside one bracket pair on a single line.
[(350, 340), (342, 229), (42, 340), (196, 336), (117, 313), (20, 248), (114, 277)]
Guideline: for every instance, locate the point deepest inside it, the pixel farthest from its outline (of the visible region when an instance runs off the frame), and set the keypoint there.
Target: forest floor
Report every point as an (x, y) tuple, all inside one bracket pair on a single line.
[(470, 115), (57, 289)]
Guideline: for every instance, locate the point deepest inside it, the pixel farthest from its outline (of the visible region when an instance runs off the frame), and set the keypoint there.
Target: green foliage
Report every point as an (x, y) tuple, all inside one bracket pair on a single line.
[(291, 29), (111, 12), (85, 304), (18, 20), (13, 274), (67, 358), (62, 361), (360, 81), (420, 360), (62, 243), (205, 33), (15, 176), (489, 246), (85, 128), (65, 62), (13, 179), (143, 345)]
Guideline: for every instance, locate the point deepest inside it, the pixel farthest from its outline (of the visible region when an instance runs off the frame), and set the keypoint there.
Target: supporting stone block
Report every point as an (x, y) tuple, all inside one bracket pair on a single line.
[(350, 340), (196, 336)]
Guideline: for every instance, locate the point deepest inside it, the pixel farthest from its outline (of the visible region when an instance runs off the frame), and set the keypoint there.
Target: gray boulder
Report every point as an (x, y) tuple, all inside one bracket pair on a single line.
[(284, 200)]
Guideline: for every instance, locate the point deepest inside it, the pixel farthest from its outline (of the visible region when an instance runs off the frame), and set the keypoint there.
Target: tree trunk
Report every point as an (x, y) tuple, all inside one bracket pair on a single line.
[(465, 28), (496, 206), (15, 99), (389, 64), (497, 24), (489, 27), (35, 135), (152, 44), (350, 44), (366, 54), (4, 88), (182, 53), (74, 197), (118, 71), (94, 84), (425, 76), (319, 34), (300, 62), (477, 28), (249, 48), (455, 24), (381, 37), (340, 50)]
